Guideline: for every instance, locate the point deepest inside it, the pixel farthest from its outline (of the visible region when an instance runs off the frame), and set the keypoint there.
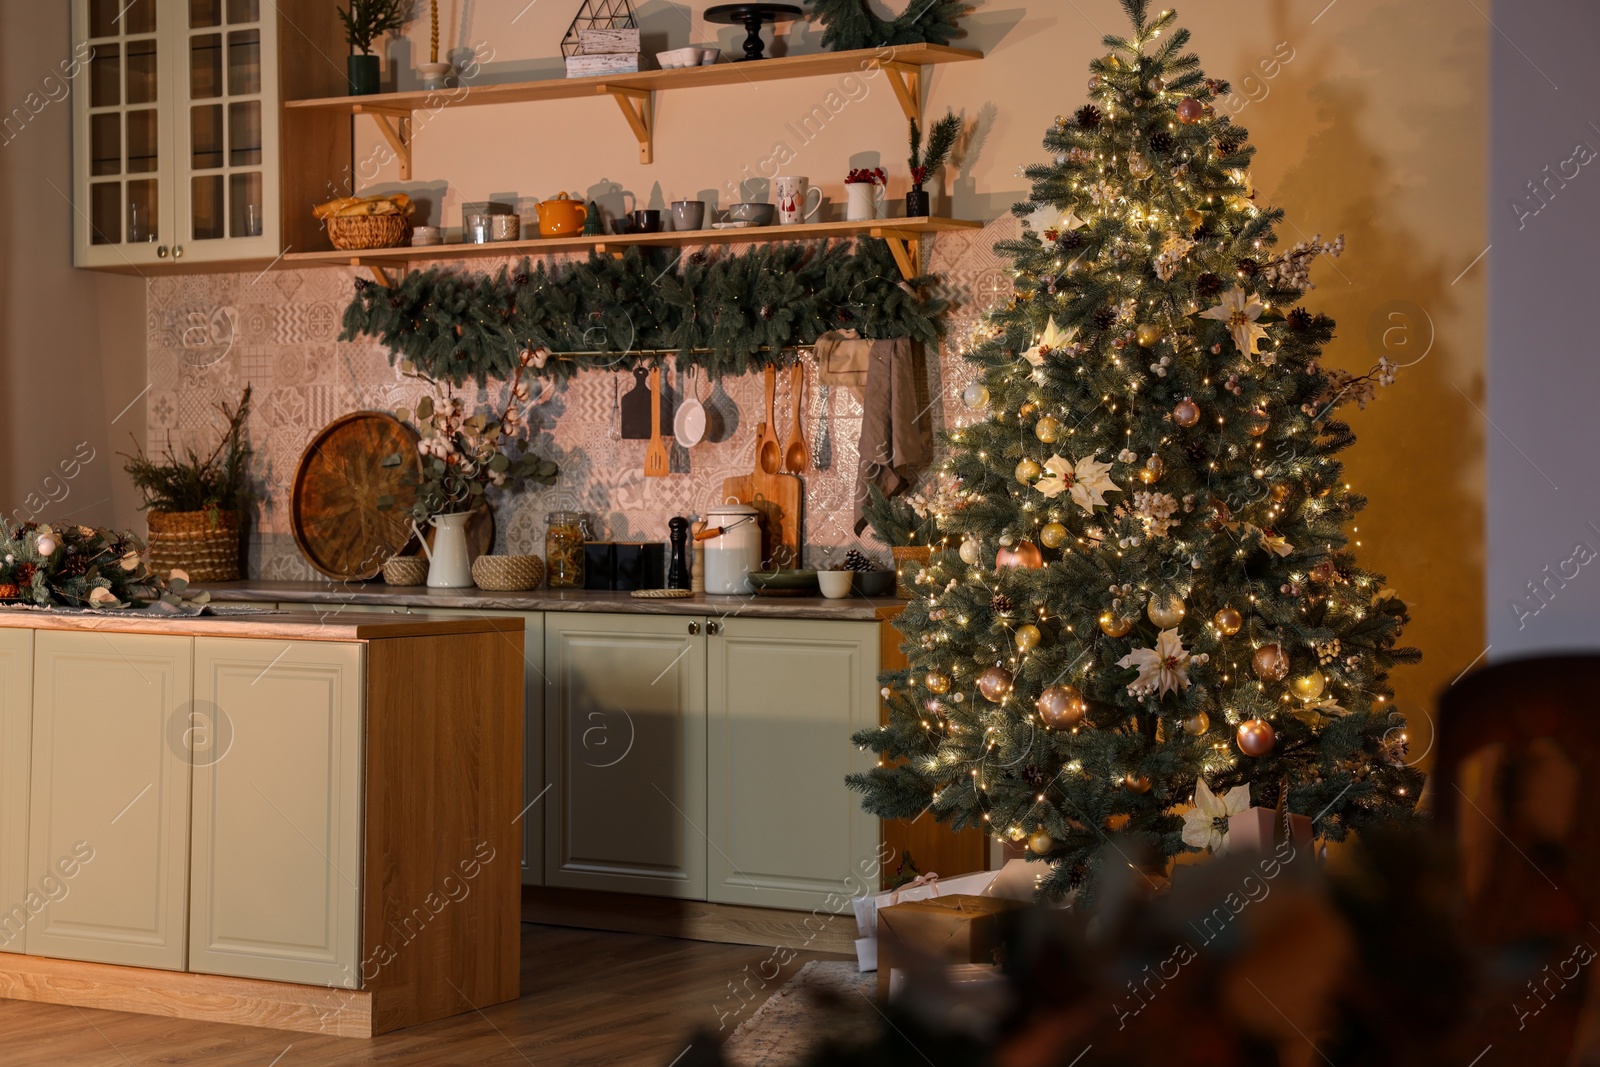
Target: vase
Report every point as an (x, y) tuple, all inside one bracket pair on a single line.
[(363, 75), (919, 205), (908, 563), (449, 563), (435, 75), (863, 201)]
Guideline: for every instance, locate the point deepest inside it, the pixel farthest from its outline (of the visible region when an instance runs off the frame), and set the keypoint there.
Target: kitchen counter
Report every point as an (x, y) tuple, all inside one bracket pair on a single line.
[(297, 626), (854, 608)]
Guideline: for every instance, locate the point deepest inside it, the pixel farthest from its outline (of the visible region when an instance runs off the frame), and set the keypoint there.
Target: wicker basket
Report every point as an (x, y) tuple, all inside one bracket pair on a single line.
[(405, 570), (507, 574), (202, 544), (356, 232), (908, 560)]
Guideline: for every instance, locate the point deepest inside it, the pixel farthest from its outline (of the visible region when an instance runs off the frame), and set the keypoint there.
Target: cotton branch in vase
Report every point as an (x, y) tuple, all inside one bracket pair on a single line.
[(464, 455)]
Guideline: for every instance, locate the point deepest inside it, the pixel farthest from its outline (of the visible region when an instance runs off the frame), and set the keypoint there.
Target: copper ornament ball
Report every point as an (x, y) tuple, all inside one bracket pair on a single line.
[(994, 684), (1027, 637), (1040, 843), (1190, 111), (1186, 414), (1053, 535), (1197, 724), (1023, 554), (1228, 622), (1256, 422), (1137, 784), (1271, 663), (1256, 737), (938, 682), (1114, 625), (1325, 572), (1061, 707)]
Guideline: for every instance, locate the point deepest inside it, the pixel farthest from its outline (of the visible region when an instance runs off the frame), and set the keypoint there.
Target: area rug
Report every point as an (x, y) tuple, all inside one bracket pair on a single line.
[(825, 998)]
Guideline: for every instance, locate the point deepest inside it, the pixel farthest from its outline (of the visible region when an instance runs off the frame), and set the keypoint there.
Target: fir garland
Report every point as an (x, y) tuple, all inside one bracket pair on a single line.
[(73, 566), (728, 314), (850, 24)]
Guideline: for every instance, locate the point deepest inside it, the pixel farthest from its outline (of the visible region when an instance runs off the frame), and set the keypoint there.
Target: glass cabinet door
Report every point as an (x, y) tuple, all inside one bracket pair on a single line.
[(123, 140), (229, 122)]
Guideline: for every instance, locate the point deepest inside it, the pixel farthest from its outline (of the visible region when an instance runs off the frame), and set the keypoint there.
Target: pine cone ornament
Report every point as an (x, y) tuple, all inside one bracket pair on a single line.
[(1088, 117), (1161, 141), (1265, 794), (1208, 285), (1070, 240), (698, 258), (1249, 267), (1036, 777), (1300, 319), (767, 311), (72, 565), (25, 573), (855, 561), (1001, 604), (1105, 318), (521, 280)]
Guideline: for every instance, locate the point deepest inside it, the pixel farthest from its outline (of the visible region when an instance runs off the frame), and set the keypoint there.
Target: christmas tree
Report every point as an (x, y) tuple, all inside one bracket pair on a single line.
[(1147, 598)]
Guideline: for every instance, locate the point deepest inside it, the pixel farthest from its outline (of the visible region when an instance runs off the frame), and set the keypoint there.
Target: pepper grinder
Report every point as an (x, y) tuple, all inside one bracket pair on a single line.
[(678, 569)]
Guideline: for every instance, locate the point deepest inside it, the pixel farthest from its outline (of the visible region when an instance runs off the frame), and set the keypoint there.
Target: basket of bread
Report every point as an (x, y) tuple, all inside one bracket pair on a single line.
[(356, 223)]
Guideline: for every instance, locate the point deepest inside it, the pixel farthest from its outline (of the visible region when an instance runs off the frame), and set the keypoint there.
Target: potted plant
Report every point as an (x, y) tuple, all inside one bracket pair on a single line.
[(194, 505), (364, 22), (462, 457), (941, 139)]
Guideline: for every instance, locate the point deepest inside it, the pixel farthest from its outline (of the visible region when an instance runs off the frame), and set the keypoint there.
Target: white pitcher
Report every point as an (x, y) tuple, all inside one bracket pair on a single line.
[(449, 566)]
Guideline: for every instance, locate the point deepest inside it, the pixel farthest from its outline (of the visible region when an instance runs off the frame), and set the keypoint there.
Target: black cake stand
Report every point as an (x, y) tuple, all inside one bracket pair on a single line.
[(751, 16)]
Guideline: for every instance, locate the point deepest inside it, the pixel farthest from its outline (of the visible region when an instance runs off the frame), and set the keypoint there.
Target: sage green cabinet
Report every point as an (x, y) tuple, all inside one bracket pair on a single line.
[(275, 867), (109, 799), (625, 729), (784, 698), (16, 729)]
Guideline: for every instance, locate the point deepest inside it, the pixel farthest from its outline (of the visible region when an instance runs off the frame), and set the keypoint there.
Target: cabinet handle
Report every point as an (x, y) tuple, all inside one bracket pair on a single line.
[(177, 251), (161, 252), (694, 629), (713, 628)]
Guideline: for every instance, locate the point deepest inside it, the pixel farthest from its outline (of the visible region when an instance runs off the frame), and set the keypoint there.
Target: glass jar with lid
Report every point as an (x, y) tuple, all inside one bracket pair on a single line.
[(563, 548)]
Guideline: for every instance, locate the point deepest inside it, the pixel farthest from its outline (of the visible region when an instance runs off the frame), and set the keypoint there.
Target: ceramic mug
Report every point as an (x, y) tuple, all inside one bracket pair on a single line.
[(688, 215), (646, 220), (794, 200)]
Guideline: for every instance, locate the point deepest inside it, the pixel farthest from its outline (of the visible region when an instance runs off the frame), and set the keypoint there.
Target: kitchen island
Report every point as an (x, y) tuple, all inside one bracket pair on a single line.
[(288, 820)]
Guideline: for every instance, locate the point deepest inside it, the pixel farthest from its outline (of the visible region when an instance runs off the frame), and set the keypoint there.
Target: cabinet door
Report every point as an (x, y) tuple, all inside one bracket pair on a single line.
[(275, 872), (110, 797), (785, 696), (16, 728), (122, 130), (625, 720), (226, 116)]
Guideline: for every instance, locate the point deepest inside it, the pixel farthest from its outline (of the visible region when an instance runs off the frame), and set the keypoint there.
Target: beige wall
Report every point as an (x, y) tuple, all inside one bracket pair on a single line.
[(71, 343)]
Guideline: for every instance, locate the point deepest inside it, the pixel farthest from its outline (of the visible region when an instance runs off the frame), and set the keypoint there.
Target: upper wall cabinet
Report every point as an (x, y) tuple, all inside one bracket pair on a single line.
[(178, 128)]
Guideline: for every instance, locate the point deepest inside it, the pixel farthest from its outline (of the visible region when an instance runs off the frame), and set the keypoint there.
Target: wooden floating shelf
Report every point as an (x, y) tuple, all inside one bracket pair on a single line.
[(903, 235), (634, 92)]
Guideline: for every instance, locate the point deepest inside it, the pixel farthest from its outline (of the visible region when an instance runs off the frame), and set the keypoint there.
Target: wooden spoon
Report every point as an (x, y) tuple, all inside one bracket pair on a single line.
[(769, 454), (796, 456), (656, 460)]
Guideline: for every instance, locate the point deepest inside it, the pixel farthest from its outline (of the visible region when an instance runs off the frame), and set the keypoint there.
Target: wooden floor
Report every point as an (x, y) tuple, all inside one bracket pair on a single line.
[(588, 997)]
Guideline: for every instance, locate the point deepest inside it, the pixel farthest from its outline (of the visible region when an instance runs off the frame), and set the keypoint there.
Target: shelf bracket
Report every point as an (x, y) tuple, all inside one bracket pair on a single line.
[(395, 125), (906, 249), (906, 80), (638, 107), (381, 274)]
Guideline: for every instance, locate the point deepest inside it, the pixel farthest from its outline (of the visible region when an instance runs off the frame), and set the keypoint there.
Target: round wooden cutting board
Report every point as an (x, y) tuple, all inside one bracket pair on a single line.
[(334, 508)]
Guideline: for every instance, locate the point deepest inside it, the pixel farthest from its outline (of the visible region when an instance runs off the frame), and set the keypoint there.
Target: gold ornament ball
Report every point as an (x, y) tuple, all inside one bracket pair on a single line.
[(994, 684), (1309, 687), (1228, 622), (1061, 707), (1186, 414), (1166, 614), (1027, 471), (1153, 469), (1053, 535), (1148, 334), (970, 552), (1158, 84), (1027, 637), (1137, 784), (1023, 554), (1114, 625), (1027, 409), (1256, 422), (1047, 429), (1271, 663), (1280, 493), (975, 396), (1256, 737), (1197, 724), (1041, 843), (938, 682)]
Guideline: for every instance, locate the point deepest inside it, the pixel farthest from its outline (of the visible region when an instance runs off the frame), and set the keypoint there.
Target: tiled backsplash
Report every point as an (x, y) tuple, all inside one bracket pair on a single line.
[(209, 334)]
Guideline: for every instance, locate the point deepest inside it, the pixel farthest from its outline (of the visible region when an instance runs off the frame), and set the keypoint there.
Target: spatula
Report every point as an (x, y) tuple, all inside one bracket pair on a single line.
[(656, 460)]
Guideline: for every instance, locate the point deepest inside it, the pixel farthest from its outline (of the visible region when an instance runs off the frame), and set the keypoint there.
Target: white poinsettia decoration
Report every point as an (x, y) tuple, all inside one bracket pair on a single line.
[(1163, 669), (1244, 194), (1240, 310), (1088, 480), (1052, 340), (1205, 824), (1049, 219)]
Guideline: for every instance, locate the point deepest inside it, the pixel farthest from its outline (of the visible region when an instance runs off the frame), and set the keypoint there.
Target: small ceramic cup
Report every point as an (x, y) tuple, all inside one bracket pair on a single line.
[(646, 220), (688, 215), (835, 584), (505, 227)]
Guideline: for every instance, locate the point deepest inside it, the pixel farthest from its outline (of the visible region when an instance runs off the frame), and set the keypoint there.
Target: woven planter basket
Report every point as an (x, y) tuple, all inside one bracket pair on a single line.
[(204, 547), (358, 232), (507, 574), (405, 570), (908, 560)]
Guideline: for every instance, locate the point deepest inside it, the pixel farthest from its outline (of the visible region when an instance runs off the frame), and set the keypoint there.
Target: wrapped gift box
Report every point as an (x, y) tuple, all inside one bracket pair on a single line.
[(951, 929), (1017, 880), (1257, 831)]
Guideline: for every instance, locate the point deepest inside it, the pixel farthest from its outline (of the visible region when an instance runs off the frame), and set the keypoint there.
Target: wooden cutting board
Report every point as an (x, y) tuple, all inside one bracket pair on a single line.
[(780, 500), (336, 507)]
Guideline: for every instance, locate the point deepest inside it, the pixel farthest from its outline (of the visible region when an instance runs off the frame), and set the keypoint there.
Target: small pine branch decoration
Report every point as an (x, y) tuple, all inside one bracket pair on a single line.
[(850, 24), (941, 140), (367, 20), (216, 483)]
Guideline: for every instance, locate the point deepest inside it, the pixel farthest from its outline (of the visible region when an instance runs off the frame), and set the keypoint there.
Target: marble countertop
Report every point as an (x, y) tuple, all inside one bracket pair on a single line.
[(853, 608)]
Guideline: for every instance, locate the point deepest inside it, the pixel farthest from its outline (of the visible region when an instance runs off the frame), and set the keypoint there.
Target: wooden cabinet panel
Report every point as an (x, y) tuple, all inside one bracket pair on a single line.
[(784, 697), (16, 729), (625, 721), (110, 789), (275, 872)]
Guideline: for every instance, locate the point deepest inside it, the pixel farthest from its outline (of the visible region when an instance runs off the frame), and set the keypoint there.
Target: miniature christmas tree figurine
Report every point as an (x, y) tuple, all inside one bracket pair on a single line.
[(1153, 587)]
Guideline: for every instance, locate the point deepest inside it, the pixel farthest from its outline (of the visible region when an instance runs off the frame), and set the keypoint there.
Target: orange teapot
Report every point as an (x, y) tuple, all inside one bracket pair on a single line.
[(561, 215)]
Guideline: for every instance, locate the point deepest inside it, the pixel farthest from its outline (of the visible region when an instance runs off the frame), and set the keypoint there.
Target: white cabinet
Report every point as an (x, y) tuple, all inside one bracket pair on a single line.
[(16, 731)]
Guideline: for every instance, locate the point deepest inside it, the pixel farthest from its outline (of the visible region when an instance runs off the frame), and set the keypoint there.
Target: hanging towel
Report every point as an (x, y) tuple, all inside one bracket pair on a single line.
[(842, 359), (896, 420)]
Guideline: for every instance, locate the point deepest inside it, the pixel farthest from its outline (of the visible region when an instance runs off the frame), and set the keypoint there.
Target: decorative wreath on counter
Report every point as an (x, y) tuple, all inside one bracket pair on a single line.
[(850, 24)]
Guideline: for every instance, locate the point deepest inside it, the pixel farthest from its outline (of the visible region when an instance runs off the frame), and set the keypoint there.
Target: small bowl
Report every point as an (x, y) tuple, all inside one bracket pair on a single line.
[(755, 214), (710, 56), (405, 570), (875, 583), (679, 57), (427, 235), (835, 584)]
